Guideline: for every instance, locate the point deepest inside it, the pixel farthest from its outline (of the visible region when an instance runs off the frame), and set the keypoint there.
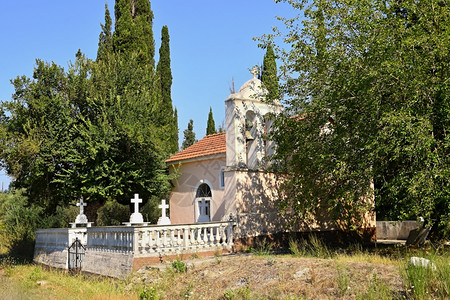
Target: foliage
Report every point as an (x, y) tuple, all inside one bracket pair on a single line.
[(426, 283), (179, 266), (166, 114), (377, 290), (312, 247), (18, 223), (105, 37), (342, 279), (211, 125), (262, 248), (148, 294), (269, 73), (189, 135), (113, 213), (92, 130), (367, 94), (133, 32)]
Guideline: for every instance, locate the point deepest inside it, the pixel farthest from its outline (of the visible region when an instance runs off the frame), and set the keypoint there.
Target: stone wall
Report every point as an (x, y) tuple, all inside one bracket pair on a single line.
[(107, 263), (395, 230)]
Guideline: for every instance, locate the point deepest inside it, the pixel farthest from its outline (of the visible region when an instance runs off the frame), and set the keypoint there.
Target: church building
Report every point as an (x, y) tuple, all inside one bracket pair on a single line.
[(224, 175)]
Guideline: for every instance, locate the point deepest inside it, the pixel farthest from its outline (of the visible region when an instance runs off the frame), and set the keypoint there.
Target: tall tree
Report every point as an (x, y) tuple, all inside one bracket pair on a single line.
[(166, 113), (367, 112), (211, 125), (269, 73), (189, 135), (105, 38), (175, 120), (133, 30), (91, 131)]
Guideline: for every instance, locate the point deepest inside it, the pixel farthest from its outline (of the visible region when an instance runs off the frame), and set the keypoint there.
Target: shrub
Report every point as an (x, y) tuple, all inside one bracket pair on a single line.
[(179, 266), (113, 213), (19, 220)]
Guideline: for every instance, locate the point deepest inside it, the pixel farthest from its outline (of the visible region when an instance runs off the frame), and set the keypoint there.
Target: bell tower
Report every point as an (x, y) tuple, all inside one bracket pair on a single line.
[(247, 119)]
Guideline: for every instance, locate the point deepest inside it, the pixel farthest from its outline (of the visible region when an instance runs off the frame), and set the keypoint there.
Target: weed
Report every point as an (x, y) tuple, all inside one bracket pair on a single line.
[(218, 257), (426, 282), (270, 261), (179, 266), (244, 292), (194, 256), (377, 290), (342, 279), (313, 248), (148, 294), (262, 248), (188, 292)]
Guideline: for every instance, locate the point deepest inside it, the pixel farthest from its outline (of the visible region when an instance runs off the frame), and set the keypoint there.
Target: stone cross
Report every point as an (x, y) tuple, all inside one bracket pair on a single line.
[(254, 71), (163, 220), (81, 204), (81, 218), (136, 202), (163, 208), (136, 217)]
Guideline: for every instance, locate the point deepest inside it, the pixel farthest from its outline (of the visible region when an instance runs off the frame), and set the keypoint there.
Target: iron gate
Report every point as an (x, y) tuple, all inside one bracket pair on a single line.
[(76, 255)]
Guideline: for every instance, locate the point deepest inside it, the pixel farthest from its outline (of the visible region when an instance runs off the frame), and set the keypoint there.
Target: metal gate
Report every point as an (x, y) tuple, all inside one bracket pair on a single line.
[(76, 255)]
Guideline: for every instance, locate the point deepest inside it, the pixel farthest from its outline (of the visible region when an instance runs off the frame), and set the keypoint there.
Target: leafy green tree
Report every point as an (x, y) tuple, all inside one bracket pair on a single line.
[(269, 73), (367, 104), (189, 135), (211, 125)]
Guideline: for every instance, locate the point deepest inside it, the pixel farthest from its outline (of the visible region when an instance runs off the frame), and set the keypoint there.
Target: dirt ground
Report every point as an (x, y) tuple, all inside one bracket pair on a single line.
[(270, 277)]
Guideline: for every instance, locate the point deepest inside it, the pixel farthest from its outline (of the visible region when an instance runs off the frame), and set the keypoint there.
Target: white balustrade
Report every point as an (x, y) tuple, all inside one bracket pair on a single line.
[(172, 239), (151, 240)]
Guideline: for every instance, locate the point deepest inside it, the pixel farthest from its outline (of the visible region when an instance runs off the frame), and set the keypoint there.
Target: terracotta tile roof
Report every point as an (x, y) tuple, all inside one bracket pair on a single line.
[(210, 145)]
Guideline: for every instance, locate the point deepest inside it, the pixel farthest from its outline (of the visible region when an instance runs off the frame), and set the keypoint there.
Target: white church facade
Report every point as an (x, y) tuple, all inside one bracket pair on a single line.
[(224, 176)]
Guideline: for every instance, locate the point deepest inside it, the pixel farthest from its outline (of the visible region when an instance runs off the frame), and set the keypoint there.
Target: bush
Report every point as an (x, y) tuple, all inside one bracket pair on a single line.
[(113, 213), (19, 220)]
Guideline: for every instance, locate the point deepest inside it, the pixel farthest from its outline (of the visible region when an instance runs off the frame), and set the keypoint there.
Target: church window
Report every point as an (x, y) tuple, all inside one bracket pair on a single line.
[(203, 191), (222, 178), (203, 203)]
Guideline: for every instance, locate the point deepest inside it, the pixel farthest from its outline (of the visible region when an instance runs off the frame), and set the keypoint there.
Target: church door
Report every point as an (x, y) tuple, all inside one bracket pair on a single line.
[(203, 203)]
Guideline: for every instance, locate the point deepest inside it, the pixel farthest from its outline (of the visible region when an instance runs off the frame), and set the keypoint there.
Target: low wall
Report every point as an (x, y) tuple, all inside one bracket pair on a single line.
[(116, 251), (395, 230)]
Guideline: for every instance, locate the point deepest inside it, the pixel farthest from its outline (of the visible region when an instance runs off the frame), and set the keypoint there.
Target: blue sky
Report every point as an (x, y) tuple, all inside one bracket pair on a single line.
[(211, 43)]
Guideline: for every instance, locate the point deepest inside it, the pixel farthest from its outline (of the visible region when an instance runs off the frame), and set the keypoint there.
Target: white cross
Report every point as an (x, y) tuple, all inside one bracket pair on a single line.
[(81, 204), (136, 202), (254, 71), (163, 208)]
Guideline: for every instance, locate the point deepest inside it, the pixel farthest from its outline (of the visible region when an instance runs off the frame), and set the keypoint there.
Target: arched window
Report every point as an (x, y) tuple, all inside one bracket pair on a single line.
[(203, 191), (203, 203)]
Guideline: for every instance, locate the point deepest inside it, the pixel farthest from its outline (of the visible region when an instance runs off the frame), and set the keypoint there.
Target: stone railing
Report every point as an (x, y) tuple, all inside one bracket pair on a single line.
[(174, 239), (114, 239), (58, 239), (153, 240)]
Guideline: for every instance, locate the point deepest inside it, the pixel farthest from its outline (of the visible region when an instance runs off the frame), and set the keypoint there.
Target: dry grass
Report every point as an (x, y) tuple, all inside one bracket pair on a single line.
[(357, 274)]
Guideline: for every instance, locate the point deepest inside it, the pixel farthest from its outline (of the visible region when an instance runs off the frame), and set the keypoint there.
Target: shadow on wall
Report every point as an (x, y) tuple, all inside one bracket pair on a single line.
[(259, 213)]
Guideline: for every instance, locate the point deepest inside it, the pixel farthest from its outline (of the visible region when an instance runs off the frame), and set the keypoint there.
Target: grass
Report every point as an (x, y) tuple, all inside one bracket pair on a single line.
[(427, 282), (354, 272)]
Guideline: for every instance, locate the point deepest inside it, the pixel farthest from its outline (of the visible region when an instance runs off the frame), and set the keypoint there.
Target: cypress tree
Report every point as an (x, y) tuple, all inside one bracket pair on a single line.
[(211, 126), (269, 73), (104, 40), (133, 29), (189, 135), (175, 122), (166, 112)]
